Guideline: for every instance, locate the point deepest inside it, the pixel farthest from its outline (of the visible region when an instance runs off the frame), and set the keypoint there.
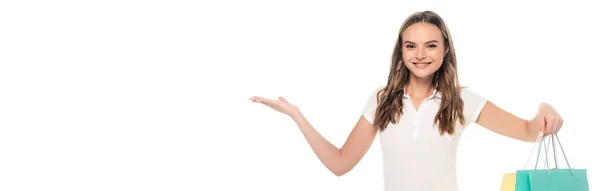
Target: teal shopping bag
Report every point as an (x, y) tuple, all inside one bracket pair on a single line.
[(557, 179)]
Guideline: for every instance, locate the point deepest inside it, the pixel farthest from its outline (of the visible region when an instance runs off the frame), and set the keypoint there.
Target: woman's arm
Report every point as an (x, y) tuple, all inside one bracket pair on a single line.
[(338, 161), (502, 122)]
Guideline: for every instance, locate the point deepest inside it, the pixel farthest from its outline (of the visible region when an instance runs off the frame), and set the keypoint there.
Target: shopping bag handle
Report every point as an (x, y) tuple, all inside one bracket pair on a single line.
[(540, 140), (554, 152)]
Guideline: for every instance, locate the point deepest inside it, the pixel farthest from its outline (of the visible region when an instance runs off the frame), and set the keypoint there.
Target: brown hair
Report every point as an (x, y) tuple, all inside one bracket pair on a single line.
[(445, 81)]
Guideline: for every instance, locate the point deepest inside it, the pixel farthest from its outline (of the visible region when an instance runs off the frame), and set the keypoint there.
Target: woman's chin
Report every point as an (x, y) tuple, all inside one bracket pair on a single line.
[(422, 74)]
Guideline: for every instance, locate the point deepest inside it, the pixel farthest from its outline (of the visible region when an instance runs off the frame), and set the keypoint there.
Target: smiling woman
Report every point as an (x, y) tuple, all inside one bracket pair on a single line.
[(152, 95), (419, 114), (423, 55)]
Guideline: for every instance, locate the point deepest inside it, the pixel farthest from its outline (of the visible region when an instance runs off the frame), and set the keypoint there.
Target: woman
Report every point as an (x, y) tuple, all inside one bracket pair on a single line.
[(419, 114)]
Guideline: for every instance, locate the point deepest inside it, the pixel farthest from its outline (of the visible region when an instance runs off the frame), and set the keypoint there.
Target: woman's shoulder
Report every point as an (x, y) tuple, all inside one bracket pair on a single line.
[(379, 87), (376, 89), (467, 91), (468, 94)]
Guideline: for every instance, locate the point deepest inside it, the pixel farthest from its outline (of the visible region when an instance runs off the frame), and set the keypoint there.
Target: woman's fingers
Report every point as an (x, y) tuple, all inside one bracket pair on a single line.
[(274, 104), (261, 100), (256, 98), (542, 124), (280, 104), (283, 99), (550, 125), (557, 125)]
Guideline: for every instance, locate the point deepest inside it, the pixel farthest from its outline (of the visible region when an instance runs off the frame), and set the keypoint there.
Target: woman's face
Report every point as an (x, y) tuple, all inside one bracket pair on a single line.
[(423, 49)]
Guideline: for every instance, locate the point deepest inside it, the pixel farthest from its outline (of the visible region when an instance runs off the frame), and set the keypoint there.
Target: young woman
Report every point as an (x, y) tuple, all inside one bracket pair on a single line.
[(419, 114)]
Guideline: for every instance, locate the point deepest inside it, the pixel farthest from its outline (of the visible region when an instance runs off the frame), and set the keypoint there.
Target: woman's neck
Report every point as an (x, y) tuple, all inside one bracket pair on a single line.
[(419, 87)]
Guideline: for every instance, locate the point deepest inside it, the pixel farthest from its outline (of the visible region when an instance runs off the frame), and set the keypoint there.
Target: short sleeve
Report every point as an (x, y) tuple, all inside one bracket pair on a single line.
[(473, 104), (370, 106)]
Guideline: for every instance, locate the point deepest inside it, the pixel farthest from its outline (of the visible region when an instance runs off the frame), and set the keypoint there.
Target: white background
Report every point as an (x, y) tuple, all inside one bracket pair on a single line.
[(153, 95)]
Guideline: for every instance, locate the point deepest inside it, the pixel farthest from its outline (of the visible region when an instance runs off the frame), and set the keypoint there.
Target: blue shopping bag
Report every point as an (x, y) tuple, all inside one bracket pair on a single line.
[(556, 179)]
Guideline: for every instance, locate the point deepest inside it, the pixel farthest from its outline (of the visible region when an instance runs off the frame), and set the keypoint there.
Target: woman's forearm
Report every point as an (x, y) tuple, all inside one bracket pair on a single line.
[(328, 153)]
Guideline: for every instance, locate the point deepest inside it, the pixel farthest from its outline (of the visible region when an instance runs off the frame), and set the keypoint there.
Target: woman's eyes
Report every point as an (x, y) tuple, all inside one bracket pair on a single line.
[(428, 46)]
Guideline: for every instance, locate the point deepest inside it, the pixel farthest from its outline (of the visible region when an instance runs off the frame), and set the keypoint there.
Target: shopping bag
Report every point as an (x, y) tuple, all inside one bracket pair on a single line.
[(556, 179), (508, 182), (552, 180), (559, 179)]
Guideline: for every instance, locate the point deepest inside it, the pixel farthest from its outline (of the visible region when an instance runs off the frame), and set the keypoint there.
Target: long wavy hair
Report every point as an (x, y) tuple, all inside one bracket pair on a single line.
[(445, 81)]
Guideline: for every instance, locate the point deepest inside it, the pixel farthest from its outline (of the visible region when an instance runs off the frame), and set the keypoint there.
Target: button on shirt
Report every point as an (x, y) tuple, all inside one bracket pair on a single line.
[(415, 156)]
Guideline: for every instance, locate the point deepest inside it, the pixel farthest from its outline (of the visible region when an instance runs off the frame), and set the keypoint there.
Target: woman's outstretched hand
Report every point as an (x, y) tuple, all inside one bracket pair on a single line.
[(280, 105), (549, 120)]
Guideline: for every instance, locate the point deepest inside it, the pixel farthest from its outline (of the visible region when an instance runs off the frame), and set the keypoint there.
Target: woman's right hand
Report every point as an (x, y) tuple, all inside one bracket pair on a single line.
[(280, 105)]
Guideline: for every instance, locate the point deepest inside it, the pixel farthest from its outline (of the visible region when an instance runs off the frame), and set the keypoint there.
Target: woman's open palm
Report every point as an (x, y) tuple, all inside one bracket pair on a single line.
[(280, 105)]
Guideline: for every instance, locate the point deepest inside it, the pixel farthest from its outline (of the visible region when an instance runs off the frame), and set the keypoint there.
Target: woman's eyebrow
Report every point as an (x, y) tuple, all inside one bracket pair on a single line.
[(431, 41)]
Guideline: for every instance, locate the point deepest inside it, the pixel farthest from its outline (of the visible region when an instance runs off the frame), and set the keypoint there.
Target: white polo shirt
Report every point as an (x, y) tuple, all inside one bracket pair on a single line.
[(415, 156)]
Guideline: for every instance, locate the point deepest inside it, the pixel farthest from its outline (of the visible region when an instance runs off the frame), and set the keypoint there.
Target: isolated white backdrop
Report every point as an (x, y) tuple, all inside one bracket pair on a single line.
[(151, 95)]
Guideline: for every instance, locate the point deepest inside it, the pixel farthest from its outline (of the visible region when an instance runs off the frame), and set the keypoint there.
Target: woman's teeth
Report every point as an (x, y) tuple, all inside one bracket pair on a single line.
[(422, 64)]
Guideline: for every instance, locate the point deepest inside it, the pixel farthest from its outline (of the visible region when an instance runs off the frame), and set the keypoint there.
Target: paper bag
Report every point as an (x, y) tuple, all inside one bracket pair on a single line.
[(555, 179)]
